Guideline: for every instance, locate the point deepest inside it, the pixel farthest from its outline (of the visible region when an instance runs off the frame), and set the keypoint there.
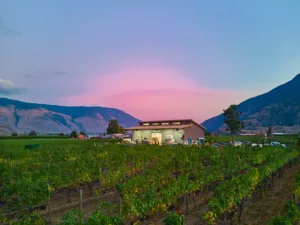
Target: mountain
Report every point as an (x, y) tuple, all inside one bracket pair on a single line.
[(279, 107), (22, 117)]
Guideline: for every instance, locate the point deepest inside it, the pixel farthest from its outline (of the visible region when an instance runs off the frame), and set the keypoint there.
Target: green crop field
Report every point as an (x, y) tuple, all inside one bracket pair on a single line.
[(102, 182), (284, 139)]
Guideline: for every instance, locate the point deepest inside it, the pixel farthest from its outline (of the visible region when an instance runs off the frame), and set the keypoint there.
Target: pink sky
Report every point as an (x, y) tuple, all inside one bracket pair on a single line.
[(151, 92)]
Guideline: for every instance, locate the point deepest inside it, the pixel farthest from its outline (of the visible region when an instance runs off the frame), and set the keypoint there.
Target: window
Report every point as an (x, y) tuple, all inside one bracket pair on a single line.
[(155, 124), (145, 124), (164, 123), (176, 123)]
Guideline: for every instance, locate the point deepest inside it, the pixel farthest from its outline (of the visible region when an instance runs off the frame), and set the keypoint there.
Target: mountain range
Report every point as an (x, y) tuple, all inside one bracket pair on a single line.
[(279, 108), (22, 117)]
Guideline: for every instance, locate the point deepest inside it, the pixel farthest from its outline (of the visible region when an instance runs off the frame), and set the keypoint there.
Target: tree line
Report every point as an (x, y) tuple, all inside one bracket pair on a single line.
[(112, 128)]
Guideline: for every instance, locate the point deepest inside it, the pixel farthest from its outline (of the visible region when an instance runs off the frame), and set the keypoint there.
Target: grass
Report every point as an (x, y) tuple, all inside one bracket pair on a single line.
[(289, 139), (60, 141), (32, 137)]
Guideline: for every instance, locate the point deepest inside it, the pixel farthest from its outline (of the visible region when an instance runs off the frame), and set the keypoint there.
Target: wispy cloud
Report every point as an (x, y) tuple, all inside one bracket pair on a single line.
[(8, 88), (8, 31), (42, 73)]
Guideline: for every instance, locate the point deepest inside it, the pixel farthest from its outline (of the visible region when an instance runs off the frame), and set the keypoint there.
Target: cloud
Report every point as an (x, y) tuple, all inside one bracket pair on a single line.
[(8, 88), (43, 73)]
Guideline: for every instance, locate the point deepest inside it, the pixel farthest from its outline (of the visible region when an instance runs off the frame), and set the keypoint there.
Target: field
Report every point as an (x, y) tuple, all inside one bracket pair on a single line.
[(102, 182), (288, 139)]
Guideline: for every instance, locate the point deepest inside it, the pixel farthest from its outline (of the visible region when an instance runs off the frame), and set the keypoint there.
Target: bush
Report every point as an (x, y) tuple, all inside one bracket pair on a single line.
[(32, 133)]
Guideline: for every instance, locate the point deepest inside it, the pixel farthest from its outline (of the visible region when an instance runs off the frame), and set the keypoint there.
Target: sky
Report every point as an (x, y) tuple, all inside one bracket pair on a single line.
[(153, 59)]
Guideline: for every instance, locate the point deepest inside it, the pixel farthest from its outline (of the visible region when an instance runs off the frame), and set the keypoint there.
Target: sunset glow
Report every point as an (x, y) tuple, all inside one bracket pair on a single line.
[(155, 93)]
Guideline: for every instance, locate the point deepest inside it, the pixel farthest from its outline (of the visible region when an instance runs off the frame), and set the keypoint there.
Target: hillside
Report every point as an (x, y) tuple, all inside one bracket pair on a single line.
[(279, 107), (23, 117)]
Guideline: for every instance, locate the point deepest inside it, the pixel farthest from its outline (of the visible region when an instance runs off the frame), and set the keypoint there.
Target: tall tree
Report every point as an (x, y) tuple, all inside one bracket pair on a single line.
[(270, 131), (232, 119), (114, 128), (121, 130), (74, 134)]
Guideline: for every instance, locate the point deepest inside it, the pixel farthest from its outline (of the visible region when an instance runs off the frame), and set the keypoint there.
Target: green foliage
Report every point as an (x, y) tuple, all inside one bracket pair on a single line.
[(121, 130), (100, 218), (284, 139), (31, 192), (292, 211), (32, 133), (207, 133), (269, 133), (229, 194), (280, 220), (61, 134), (74, 134), (24, 137), (114, 128), (232, 119), (82, 133), (73, 217), (141, 173), (173, 219), (14, 134), (33, 219)]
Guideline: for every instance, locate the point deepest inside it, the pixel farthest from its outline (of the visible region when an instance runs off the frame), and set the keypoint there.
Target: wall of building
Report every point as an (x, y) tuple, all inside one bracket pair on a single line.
[(141, 134), (194, 132)]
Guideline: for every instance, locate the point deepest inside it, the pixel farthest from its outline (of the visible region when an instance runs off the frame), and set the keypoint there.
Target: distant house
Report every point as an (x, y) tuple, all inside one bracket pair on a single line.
[(81, 137), (247, 134), (279, 134), (167, 131)]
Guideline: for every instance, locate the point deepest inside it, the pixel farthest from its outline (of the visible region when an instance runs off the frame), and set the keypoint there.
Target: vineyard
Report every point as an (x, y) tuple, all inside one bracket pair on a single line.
[(135, 184), (292, 210)]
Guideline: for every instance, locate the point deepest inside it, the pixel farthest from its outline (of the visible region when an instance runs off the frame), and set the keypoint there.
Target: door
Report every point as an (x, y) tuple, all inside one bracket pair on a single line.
[(158, 136)]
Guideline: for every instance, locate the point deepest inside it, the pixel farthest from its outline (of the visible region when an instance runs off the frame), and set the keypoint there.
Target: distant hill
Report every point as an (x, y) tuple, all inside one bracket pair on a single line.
[(279, 107), (17, 116)]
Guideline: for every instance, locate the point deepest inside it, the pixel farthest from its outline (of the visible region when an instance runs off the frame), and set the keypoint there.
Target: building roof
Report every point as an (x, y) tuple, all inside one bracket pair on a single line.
[(179, 120), (159, 127)]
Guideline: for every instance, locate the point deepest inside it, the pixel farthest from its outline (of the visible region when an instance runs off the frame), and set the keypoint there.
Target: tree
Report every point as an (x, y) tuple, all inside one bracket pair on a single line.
[(121, 130), (74, 134), (232, 119), (82, 133), (270, 131), (14, 134), (32, 133), (61, 134), (114, 128), (207, 133)]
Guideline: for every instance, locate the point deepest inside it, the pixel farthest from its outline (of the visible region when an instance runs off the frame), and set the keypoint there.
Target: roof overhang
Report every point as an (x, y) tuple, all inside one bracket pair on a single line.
[(159, 127), (179, 120)]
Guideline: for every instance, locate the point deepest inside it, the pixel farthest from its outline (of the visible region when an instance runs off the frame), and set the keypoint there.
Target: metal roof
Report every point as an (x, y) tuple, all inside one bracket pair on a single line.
[(159, 127), (172, 120)]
